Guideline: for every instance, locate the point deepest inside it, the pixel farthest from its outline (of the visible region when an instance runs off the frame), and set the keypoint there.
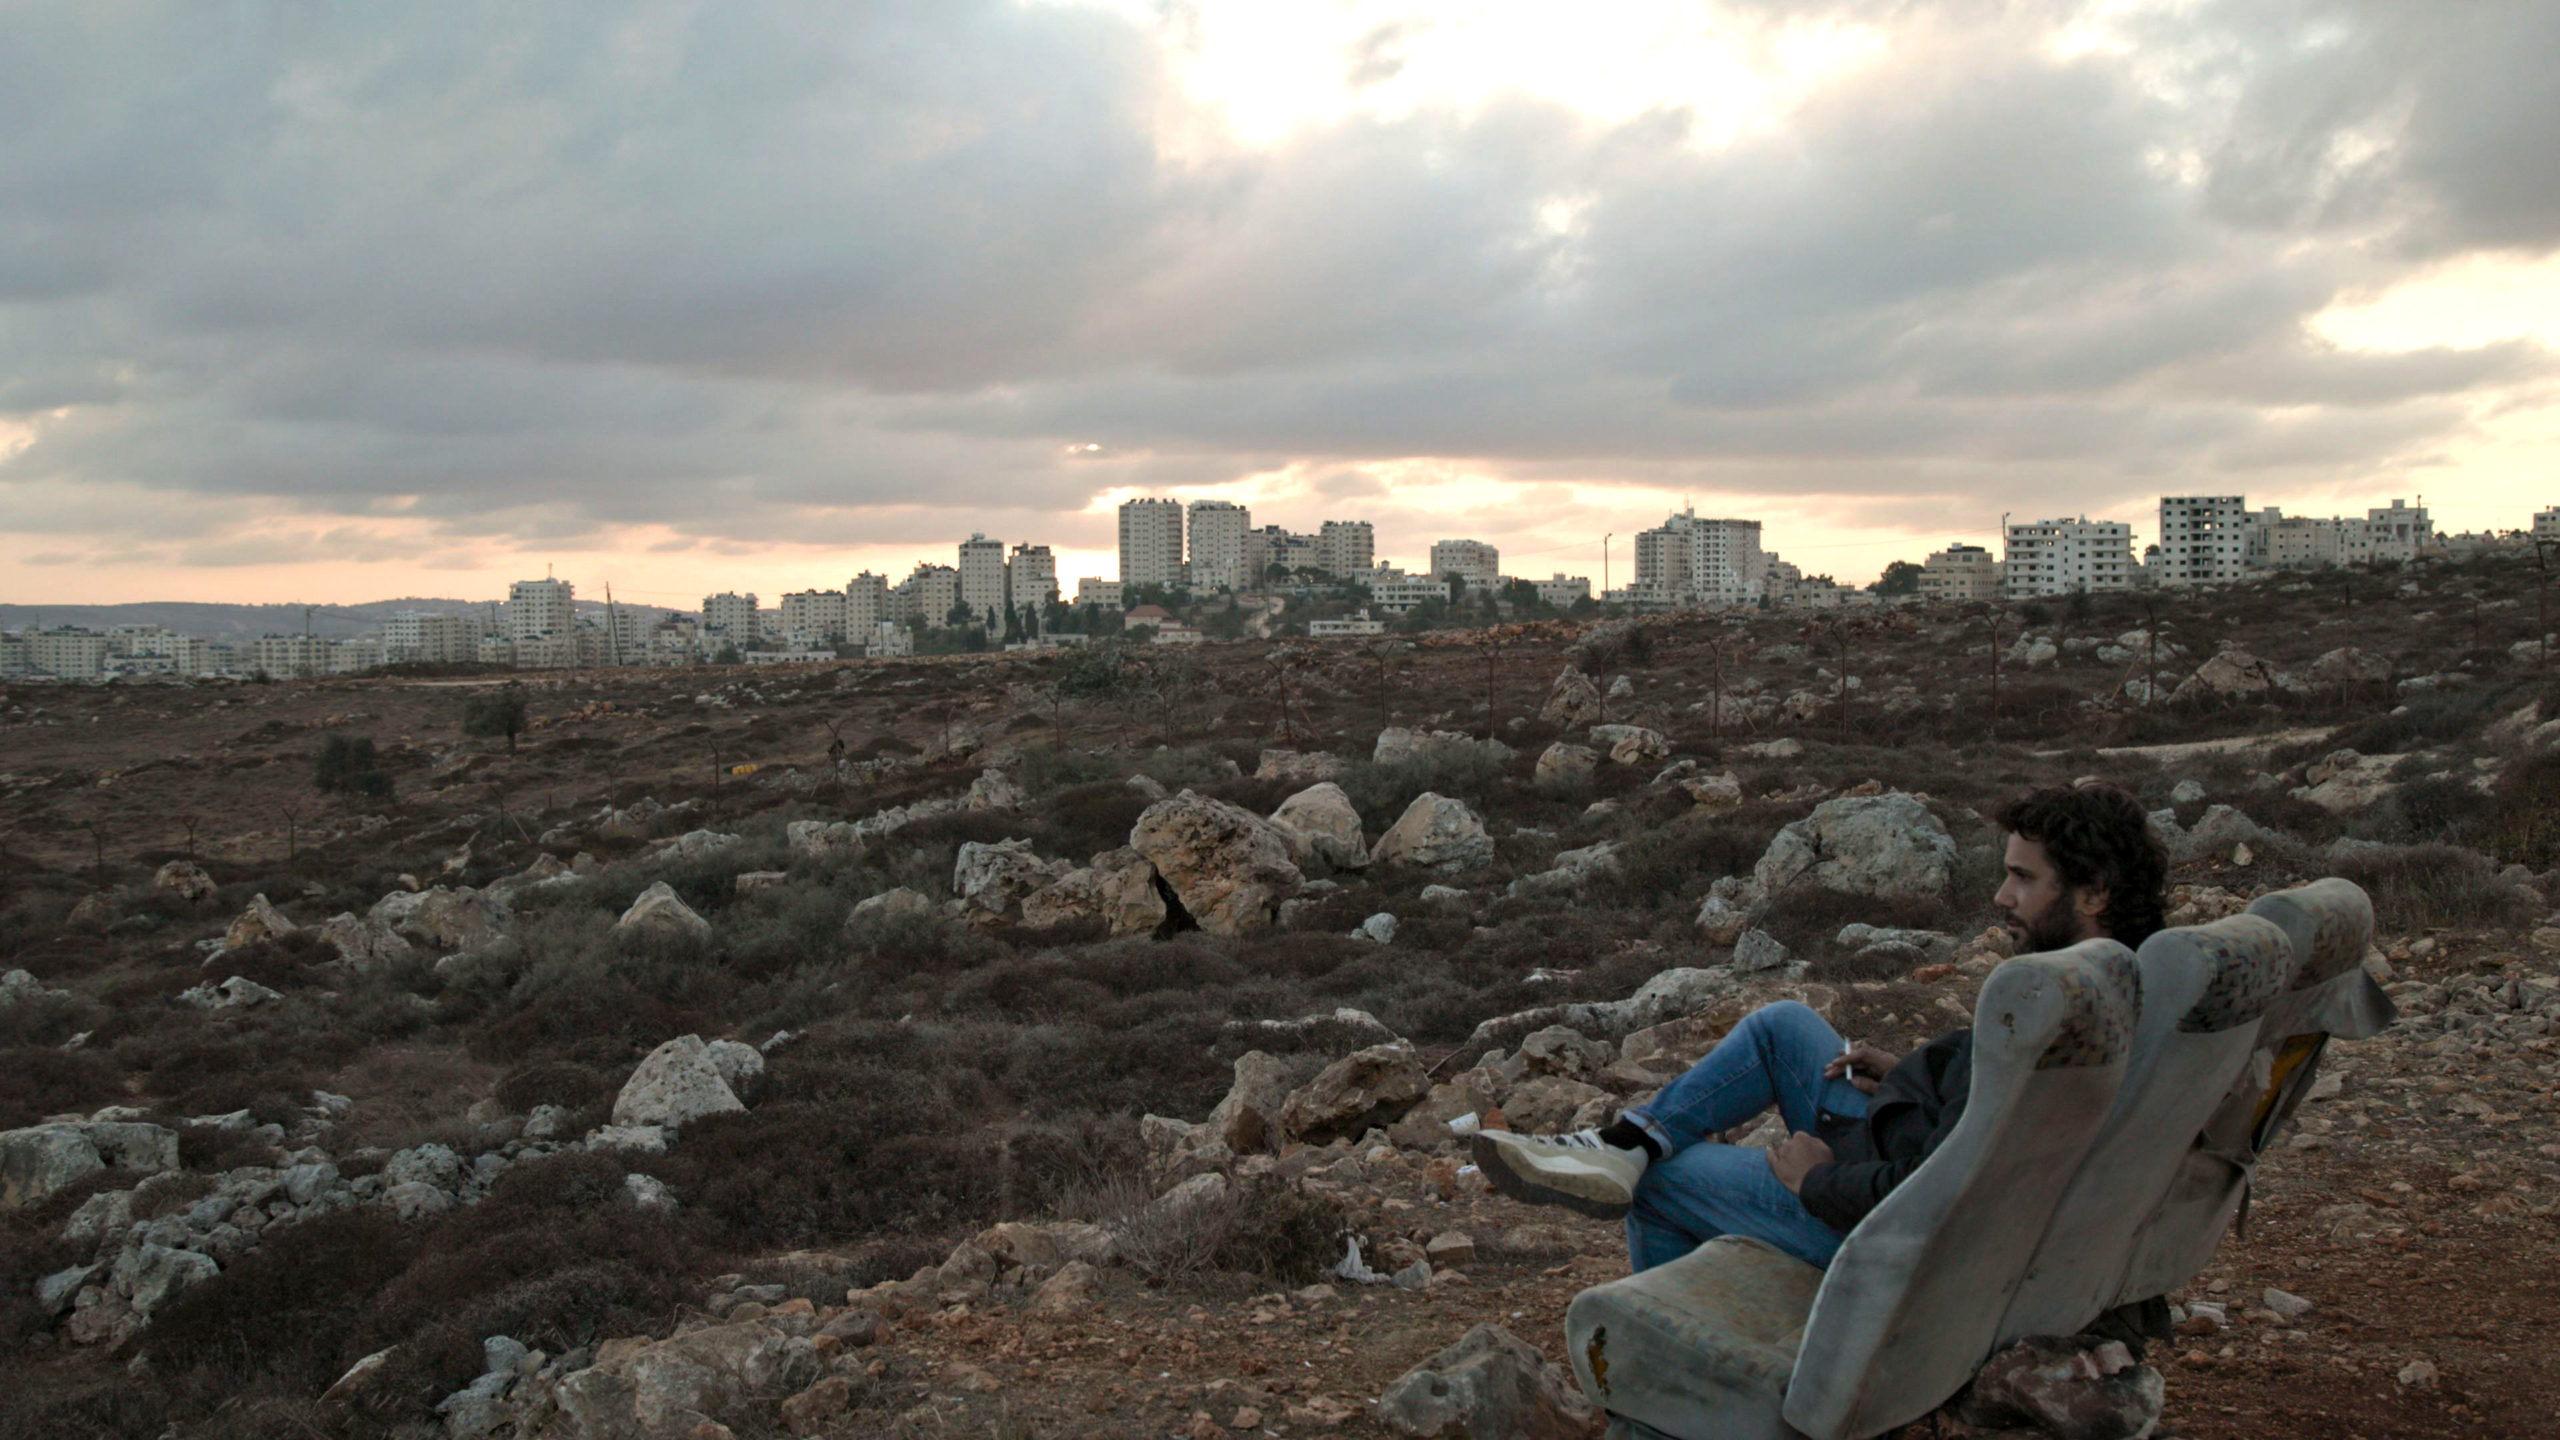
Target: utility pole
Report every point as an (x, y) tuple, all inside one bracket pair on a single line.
[(612, 628), (1604, 565), (307, 666)]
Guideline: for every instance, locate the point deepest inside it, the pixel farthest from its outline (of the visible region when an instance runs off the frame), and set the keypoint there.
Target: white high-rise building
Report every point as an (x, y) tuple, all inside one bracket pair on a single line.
[(536, 608), (430, 637), (1151, 542), (1473, 561), (1345, 548), (1031, 574), (70, 654), (729, 618), (866, 603), (2061, 557), (813, 617), (2204, 539), (1217, 545), (982, 579), (1690, 561)]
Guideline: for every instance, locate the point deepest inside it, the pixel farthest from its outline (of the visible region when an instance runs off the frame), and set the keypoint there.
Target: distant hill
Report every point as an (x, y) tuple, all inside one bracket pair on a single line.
[(247, 622)]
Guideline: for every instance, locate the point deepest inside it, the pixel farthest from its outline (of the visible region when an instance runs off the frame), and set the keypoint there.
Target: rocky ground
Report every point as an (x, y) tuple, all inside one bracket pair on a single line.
[(843, 1052)]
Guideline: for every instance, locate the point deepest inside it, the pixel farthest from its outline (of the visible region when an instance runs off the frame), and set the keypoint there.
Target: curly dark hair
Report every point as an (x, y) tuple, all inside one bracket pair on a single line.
[(2098, 835)]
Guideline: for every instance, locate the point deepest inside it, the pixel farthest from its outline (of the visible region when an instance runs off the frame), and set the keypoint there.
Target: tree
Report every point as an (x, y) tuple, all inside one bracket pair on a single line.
[(501, 713), (348, 765), (1900, 578)]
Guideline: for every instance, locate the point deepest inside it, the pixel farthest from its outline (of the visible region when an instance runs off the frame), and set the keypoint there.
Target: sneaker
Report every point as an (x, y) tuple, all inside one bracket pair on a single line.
[(1579, 1171)]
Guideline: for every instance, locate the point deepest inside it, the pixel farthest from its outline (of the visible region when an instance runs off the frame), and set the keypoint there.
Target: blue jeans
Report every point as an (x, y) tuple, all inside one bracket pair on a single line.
[(1701, 1188)]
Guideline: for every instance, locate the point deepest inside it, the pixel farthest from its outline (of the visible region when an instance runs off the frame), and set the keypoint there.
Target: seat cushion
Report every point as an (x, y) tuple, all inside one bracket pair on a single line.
[(1701, 1347)]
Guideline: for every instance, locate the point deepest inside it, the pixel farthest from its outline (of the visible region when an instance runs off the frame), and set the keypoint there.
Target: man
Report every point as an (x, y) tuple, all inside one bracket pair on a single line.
[(2082, 863)]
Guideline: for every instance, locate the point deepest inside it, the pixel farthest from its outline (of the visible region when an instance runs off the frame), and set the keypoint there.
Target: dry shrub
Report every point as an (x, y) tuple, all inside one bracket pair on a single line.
[(1274, 1232), (2424, 887), (794, 1174), (285, 1317), (2520, 824), (405, 1095), (40, 1080), (564, 1083), (1085, 820)]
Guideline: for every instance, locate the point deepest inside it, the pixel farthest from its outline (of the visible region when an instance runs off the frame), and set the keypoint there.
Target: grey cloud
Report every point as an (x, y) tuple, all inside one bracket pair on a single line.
[(861, 275)]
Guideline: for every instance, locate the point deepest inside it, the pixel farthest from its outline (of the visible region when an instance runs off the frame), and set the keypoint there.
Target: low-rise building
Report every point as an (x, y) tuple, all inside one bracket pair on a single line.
[(1175, 633), (1094, 590), (1393, 592), (1357, 624), (1563, 591), (1960, 573), (889, 640), (2399, 531), (2546, 524)]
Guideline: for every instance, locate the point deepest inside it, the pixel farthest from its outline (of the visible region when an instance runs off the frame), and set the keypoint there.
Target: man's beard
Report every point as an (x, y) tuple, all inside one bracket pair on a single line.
[(2048, 932)]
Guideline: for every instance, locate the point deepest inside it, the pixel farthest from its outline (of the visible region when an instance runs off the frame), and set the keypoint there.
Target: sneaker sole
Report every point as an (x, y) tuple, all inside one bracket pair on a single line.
[(1494, 1161)]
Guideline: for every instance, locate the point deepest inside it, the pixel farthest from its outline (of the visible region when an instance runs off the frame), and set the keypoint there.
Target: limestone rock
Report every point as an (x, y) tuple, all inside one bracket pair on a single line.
[(1886, 846), (1491, 1385), (1437, 833), (1552, 1104), (2053, 1387), (1396, 744), (365, 943), (1631, 744), (662, 1390), (1077, 1286), (2350, 666), (39, 1160), (20, 987), (1248, 1119), (1565, 763), (996, 790), (463, 919), (1572, 870), (184, 879), (2344, 782), (1727, 912), (1759, 950), (1320, 822), (1298, 767), (660, 913), (1714, 792), (1379, 928), (1365, 1088), (1574, 702), (693, 845), (150, 1276), (1229, 867), (1119, 887), (992, 879), (261, 922), (235, 993), (891, 904), (679, 1082), (2234, 674), (1564, 1051)]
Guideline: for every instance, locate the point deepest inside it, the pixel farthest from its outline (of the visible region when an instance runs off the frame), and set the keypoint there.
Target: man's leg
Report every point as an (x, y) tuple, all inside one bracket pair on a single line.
[(1776, 1056), (1776, 1053), (1710, 1189)]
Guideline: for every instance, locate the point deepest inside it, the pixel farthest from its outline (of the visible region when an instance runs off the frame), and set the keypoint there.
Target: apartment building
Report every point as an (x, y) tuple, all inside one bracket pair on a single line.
[(429, 637), (1094, 590), (2203, 540), (982, 579), (540, 607), (1473, 561), (1272, 546), (813, 617), (289, 657), (1031, 575), (866, 603), (2546, 524), (63, 652), (1960, 573), (1691, 561), (2398, 531), (2063, 557), (1346, 548), (924, 599), (1216, 562), (1151, 542), (730, 618)]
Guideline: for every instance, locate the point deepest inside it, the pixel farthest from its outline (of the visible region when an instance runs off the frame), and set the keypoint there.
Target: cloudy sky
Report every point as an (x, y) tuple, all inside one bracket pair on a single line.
[(349, 300)]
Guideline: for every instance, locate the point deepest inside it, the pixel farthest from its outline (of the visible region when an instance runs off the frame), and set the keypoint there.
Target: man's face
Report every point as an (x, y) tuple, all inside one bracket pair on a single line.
[(2036, 908)]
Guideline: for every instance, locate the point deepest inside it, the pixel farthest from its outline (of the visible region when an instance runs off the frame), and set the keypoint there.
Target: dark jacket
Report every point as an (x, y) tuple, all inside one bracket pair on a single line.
[(1910, 1115)]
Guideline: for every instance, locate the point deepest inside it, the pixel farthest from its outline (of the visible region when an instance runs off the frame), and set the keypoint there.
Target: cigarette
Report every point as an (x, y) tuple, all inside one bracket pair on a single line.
[(1847, 1049)]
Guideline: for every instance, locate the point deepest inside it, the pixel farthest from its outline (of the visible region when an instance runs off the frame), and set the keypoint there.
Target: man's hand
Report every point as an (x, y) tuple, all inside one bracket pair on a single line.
[(1800, 1153), (1864, 1065)]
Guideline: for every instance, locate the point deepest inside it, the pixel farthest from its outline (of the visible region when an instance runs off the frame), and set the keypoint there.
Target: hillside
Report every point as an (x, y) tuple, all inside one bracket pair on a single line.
[(1038, 1080)]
